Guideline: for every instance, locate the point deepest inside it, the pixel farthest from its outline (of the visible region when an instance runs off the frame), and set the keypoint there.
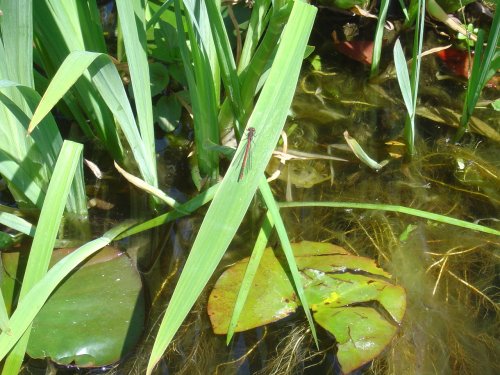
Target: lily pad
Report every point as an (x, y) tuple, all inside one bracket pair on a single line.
[(350, 296), (278, 301), (167, 113), (159, 77), (361, 333), (94, 318)]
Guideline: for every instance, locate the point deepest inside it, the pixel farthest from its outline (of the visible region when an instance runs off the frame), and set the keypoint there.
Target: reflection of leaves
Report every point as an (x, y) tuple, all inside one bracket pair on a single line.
[(334, 283), (449, 117)]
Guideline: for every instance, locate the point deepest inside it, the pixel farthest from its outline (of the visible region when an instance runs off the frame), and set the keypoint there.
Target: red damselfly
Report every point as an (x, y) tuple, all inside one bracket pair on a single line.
[(250, 136)]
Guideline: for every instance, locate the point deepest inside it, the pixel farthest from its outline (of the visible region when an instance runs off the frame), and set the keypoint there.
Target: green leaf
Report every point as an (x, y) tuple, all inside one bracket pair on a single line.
[(247, 282), (225, 215), (361, 334), (270, 298), (202, 77), (288, 251), (379, 34), (159, 78), (28, 161), (29, 307), (225, 58), (95, 317), (60, 28), (17, 39), (361, 154), (45, 236), (4, 316), (393, 208), (133, 27), (168, 113), (335, 282), (403, 77), (109, 84), (496, 105)]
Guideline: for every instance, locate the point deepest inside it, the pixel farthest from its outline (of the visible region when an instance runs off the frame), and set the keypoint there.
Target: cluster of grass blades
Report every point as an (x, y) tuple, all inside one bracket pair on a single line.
[(44, 172), (485, 65)]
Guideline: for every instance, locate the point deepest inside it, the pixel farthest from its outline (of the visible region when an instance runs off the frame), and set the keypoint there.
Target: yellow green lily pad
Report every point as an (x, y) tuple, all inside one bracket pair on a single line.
[(348, 295)]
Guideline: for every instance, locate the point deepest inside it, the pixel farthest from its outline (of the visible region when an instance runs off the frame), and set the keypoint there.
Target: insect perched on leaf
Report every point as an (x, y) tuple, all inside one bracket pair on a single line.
[(250, 136)]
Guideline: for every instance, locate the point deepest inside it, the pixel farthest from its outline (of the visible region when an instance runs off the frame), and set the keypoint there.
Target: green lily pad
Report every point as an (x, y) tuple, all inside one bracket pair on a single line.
[(335, 283), (361, 333), (167, 113), (94, 318), (280, 298), (159, 77)]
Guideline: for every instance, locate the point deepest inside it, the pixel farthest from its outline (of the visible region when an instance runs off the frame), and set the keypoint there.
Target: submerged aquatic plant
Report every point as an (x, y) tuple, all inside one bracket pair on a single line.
[(202, 44)]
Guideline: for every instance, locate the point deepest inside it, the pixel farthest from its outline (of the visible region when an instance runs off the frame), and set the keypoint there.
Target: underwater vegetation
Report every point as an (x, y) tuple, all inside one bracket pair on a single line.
[(249, 187)]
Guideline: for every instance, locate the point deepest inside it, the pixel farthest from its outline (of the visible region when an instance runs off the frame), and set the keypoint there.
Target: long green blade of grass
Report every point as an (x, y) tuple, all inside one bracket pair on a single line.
[(17, 35), (287, 250), (409, 129), (416, 61), (233, 198), (35, 155), (156, 16), (108, 82), (4, 316), (379, 34), (27, 162), (17, 223), (485, 65), (188, 207), (256, 27), (202, 27), (250, 272), (73, 25), (45, 236), (21, 178), (403, 76), (400, 209), (225, 58), (256, 72), (202, 82), (132, 23), (40, 292)]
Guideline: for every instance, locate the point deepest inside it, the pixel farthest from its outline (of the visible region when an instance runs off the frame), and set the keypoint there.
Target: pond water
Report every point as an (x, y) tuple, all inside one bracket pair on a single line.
[(449, 273)]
